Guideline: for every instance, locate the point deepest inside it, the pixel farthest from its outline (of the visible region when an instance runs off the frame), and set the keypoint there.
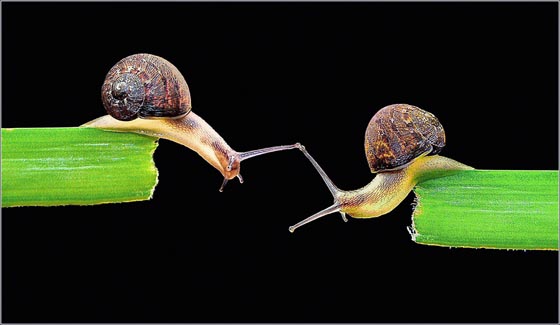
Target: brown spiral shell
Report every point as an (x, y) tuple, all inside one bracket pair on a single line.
[(145, 86), (398, 134)]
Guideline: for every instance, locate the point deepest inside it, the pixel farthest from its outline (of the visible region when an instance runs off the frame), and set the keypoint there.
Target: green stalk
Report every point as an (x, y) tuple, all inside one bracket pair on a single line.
[(502, 209), (75, 166)]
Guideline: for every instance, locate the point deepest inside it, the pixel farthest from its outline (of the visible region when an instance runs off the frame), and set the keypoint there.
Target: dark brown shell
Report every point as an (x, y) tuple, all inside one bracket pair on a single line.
[(146, 86), (398, 134)]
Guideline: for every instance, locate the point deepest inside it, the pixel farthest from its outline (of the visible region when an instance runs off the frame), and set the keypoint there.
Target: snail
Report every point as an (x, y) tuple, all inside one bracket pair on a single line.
[(146, 94), (402, 143)]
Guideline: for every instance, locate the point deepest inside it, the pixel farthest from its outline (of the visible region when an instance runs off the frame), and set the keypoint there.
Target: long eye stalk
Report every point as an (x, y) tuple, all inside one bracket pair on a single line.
[(335, 191), (332, 209), (253, 153), (250, 154)]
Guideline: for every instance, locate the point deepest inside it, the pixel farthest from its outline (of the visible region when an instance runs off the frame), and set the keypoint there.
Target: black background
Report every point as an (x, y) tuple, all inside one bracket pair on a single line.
[(265, 74)]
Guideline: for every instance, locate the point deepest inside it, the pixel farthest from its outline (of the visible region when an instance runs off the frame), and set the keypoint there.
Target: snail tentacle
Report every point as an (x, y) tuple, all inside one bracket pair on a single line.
[(262, 151), (332, 209), (330, 185)]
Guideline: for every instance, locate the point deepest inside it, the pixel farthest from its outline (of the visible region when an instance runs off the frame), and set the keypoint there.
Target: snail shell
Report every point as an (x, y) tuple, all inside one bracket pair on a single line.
[(398, 134), (145, 86)]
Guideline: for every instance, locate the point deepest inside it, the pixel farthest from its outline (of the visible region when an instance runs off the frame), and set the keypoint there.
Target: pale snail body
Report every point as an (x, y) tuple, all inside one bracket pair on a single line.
[(400, 144), (192, 132), (388, 189), (146, 94)]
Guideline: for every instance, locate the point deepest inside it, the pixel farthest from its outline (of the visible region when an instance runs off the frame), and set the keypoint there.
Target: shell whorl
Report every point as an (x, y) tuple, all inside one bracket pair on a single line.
[(398, 134), (145, 86)]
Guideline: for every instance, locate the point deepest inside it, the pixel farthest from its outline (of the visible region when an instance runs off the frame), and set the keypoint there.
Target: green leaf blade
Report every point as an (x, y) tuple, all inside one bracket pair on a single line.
[(501, 209), (78, 166)]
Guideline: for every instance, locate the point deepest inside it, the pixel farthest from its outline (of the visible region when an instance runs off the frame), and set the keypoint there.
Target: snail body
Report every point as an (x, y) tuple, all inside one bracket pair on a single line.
[(146, 94), (402, 143)]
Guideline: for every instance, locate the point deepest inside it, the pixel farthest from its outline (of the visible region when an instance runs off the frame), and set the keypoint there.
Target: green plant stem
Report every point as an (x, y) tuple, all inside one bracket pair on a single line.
[(502, 209), (75, 166)]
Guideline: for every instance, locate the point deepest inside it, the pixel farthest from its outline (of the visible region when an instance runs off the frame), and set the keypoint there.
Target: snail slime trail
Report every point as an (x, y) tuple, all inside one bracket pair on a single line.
[(402, 143), (146, 94)]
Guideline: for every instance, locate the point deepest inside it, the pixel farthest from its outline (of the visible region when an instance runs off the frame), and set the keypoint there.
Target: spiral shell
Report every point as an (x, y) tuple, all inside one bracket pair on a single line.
[(398, 134), (145, 86)]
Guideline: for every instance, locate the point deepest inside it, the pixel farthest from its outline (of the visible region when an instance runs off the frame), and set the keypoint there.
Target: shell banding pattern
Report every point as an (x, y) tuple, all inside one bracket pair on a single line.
[(398, 134), (146, 86)]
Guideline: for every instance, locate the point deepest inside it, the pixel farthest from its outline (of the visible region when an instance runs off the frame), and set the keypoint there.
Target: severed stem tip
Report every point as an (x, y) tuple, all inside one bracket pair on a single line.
[(332, 209)]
